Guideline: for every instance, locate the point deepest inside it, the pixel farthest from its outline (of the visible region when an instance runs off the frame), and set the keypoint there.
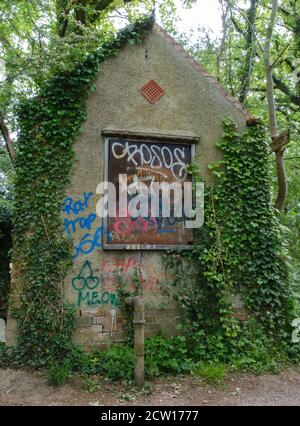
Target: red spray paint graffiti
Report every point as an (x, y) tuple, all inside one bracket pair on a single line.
[(126, 266)]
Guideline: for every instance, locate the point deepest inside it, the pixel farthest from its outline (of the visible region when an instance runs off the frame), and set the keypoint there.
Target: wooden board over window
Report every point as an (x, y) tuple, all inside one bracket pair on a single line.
[(147, 161)]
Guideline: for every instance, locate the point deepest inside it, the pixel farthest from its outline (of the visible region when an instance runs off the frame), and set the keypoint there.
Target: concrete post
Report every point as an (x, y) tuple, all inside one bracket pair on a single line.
[(139, 338)]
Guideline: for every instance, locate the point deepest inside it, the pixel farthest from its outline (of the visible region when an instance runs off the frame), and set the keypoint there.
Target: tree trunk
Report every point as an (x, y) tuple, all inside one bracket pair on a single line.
[(222, 50), (282, 181), (281, 174), (85, 13), (7, 138), (268, 70), (250, 49)]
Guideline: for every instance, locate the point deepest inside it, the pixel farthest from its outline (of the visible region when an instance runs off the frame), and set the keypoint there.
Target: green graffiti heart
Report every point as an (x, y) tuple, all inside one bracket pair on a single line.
[(92, 282), (78, 283)]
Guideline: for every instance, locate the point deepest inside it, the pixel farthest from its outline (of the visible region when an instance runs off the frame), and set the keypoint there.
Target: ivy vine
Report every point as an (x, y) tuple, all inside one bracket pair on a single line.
[(238, 255), (49, 125)]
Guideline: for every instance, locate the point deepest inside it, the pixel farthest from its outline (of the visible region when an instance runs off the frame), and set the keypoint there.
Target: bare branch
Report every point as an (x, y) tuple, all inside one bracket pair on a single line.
[(279, 84), (247, 20), (279, 56)]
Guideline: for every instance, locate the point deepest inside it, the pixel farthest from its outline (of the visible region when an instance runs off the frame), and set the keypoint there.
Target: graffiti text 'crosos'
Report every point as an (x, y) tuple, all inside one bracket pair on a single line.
[(152, 156)]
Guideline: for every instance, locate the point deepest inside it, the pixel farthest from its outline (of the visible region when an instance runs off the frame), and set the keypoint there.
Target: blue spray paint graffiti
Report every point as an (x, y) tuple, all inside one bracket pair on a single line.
[(90, 241), (70, 226), (80, 219), (70, 206)]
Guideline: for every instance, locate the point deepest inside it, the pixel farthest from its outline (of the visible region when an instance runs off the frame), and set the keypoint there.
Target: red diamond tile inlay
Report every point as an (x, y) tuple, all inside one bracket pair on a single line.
[(152, 91)]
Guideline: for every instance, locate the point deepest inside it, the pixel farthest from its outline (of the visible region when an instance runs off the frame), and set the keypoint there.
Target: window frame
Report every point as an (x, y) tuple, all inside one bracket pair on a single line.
[(144, 139)]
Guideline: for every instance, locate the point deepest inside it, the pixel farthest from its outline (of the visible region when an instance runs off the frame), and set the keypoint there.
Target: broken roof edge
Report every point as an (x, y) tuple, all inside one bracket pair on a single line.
[(250, 118)]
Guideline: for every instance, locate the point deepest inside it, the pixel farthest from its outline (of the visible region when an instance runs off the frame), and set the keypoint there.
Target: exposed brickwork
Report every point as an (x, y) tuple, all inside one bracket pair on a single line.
[(105, 332)]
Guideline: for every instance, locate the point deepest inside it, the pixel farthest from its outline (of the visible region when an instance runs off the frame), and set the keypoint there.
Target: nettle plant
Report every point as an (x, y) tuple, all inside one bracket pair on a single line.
[(238, 255), (49, 125)]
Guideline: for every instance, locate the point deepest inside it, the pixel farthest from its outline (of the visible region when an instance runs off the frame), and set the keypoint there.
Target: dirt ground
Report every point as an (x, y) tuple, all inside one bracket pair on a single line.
[(19, 387)]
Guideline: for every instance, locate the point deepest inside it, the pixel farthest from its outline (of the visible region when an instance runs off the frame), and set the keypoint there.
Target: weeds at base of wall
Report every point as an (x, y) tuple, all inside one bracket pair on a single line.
[(174, 356), (117, 364), (163, 357)]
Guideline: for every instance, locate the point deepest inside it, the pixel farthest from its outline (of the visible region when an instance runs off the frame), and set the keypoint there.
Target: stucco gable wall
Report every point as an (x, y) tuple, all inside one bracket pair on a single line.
[(192, 103), (192, 106)]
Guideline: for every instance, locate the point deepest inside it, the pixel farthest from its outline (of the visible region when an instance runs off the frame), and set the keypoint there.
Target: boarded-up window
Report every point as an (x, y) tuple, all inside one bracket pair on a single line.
[(147, 162)]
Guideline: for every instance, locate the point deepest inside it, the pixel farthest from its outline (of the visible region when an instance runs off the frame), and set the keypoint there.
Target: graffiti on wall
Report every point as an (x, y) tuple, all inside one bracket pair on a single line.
[(89, 290), (128, 266), (95, 285), (155, 157), (148, 163), (77, 217)]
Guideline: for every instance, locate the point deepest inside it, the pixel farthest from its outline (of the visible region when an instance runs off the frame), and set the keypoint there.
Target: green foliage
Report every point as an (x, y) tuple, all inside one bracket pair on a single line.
[(238, 258), (211, 373), (41, 38), (119, 363), (3, 354), (246, 255), (58, 374), (49, 125), (115, 363), (291, 221), (208, 357), (239, 250), (166, 356), (90, 385), (239, 66), (162, 356), (250, 351)]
